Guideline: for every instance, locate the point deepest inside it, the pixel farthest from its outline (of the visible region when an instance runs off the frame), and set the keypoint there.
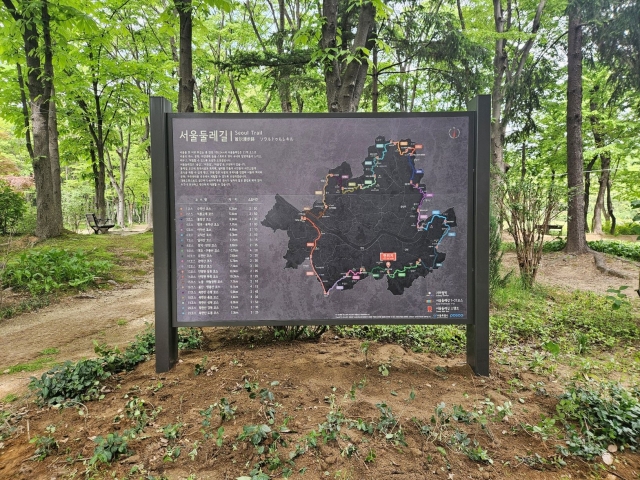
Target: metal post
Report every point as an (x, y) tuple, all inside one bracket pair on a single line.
[(478, 331), (166, 333)]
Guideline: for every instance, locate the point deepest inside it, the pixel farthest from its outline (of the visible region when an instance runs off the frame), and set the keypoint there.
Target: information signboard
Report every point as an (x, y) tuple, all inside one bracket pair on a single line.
[(316, 219)]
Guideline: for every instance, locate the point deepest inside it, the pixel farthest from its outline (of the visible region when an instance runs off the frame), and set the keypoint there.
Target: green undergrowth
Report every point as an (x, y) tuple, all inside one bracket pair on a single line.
[(82, 380), (125, 253), (26, 305), (576, 321), (70, 263), (46, 270), (619, 248), (597, 415)]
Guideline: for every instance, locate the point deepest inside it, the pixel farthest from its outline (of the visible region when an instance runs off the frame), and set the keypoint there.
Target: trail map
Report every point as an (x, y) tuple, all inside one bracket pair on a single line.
[(321, 218), (371, 225)]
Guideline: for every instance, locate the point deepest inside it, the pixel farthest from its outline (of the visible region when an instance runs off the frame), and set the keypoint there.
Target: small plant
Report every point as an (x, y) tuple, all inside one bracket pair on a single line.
[(220, 436), (387, 424), (364, 348), (108, 448), (349, 450), (200, 368), (619, 299), (171, 453), (190, 338), (256, 434), (45, 445), (172, 432), (384, 369), (193, 453), (227, 412), (371, 456), (473, 450)]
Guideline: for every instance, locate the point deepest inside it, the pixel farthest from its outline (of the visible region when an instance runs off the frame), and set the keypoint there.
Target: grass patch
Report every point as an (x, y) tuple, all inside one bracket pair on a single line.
[(130, 258), (125, 253), (27, 305), (9, 397), (50, 351), (37, 364), (576, 321), (440, 339)]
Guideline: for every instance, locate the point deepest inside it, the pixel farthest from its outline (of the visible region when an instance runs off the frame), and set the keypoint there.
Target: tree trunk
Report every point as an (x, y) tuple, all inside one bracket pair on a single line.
[(497, 92), (576, 238), (374, 81), (605, 163), (99, 186), (186, 82), (25, 112), (612, 230), (344, 81), (39, 84), (587, 190), (54, 152), (284, 77), (596, 224)]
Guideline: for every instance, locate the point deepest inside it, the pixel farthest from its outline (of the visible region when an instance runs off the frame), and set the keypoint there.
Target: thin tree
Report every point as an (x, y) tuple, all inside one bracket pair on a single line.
[(576, 238), (40, 85)]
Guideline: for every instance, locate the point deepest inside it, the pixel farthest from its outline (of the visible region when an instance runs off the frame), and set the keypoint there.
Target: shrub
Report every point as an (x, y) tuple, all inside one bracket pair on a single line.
[(81, 380), (12, 208), (42, 271), (605, 414)]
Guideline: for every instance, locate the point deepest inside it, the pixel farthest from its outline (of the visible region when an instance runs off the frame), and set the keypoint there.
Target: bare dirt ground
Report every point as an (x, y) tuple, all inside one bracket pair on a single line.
[(114, 316), (309, 381), (578, 272)]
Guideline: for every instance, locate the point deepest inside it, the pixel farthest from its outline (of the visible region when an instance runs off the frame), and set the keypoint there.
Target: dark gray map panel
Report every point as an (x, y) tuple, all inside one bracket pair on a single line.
[(356, 220)]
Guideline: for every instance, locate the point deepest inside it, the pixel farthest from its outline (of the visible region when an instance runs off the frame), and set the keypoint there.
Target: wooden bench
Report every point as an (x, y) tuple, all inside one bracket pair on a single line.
[(551, 227), (98, 224)]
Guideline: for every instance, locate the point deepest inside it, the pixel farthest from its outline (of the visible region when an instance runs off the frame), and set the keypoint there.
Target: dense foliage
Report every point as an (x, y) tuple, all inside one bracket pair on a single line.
[(12, 208), (46, 270)]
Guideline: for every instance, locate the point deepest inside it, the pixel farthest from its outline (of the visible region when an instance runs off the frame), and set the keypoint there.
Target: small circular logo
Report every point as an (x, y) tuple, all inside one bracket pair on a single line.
[(454, 132)]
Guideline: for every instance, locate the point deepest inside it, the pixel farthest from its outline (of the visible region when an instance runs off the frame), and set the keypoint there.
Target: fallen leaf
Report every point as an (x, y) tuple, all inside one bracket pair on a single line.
[(612, 448), (607, 458)]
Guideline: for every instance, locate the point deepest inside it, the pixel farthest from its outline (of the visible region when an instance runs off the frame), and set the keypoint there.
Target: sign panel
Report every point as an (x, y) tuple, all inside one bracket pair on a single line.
[(321, 219)]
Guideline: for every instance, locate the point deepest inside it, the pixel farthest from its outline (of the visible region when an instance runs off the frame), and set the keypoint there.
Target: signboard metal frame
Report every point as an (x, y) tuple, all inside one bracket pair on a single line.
[(477, 320)]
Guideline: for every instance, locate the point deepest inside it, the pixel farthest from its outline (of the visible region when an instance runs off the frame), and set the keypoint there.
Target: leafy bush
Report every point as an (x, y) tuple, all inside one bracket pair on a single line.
[(27, 224), (12, 208), (617, 248), (42, 271), (629, 228), (496, 280), (605, 414), (613, 247), (108, 448), (440, 339), (81, 381), (190, 338)]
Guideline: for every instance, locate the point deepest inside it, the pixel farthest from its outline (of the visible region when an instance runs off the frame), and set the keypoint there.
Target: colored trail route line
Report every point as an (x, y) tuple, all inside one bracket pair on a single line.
[(360, 220)]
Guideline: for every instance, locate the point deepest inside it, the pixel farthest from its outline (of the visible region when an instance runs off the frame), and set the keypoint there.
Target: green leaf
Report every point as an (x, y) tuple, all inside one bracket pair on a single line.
[(551, 347)]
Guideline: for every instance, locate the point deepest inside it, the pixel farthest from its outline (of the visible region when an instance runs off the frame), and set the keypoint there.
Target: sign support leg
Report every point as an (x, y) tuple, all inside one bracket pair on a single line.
[(478, 331), (166, 333)]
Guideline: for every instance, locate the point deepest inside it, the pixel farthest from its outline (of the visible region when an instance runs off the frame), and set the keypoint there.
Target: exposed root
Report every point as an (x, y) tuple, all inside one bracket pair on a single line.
[(602, 267)]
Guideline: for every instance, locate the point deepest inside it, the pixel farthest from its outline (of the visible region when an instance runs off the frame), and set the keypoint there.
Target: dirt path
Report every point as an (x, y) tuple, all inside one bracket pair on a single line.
[(578, 272), (114, 316)]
